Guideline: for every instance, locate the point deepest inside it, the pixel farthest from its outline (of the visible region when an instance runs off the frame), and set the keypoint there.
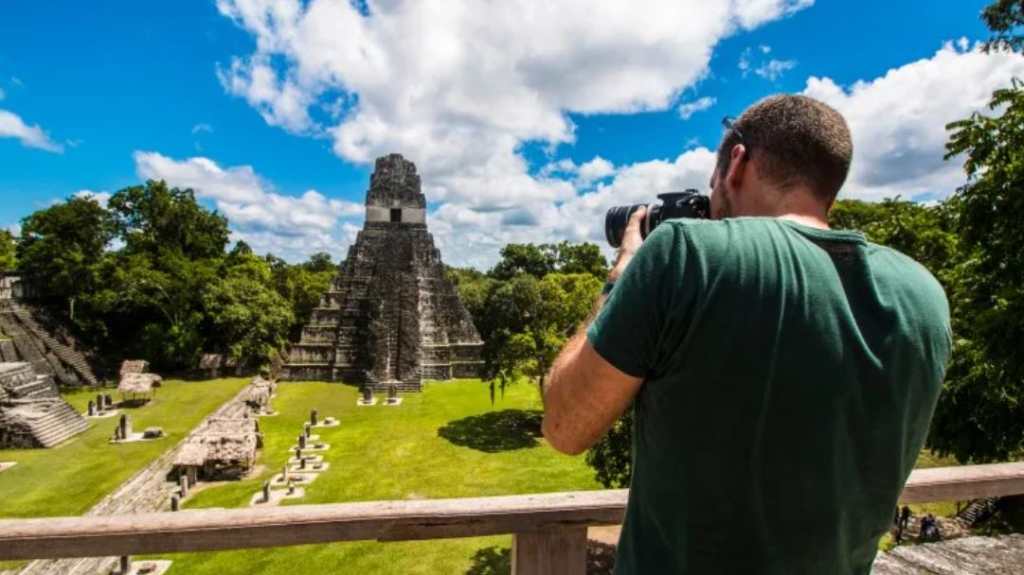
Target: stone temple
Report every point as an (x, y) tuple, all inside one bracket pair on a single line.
[(391, 316)]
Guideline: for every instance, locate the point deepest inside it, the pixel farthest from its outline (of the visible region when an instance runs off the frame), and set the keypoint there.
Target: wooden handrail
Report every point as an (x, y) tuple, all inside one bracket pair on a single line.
[(530, 516)]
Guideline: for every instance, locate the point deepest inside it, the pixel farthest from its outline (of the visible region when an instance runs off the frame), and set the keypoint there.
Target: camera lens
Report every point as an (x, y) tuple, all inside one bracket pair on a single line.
[(615, 223)]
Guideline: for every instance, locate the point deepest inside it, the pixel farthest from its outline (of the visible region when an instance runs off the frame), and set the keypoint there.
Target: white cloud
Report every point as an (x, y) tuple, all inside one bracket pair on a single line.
[(898, 120), (202, 127), (461, 95), (774, 69), (101, 197), (288, 226), (12, 126), (687, 109)]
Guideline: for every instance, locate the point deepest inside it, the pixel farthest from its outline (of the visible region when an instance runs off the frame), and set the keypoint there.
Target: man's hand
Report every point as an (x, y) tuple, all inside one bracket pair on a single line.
[(631, 240)]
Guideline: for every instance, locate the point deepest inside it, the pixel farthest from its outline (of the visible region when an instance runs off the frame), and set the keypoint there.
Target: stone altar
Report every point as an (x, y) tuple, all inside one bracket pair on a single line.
[(391, 315)]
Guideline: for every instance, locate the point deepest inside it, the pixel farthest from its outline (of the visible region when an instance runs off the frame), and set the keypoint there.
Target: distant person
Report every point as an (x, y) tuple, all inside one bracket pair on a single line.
[(783, 374)]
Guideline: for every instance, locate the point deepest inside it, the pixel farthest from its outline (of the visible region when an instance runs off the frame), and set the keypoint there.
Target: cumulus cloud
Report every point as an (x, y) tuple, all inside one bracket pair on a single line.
[(898, 120), (687, 109), (202, 127), (288, 226), (12, 126), (459, 97)]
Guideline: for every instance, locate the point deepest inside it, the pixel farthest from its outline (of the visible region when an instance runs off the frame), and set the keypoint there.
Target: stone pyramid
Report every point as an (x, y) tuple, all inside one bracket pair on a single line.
[(391, 316)]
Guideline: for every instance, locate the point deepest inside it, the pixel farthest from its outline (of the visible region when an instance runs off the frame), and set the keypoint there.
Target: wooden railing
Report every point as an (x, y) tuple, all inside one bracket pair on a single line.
[(550, 529)]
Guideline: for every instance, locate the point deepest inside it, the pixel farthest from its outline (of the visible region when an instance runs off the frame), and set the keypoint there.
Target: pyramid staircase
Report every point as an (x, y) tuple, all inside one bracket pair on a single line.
[(31, 342), (49, 422)]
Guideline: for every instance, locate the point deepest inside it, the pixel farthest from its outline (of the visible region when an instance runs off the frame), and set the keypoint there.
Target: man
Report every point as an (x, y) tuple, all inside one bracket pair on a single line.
[(783, 375)]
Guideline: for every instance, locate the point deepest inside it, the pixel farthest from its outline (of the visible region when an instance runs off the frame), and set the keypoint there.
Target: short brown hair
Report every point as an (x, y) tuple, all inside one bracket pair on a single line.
[(794, 139)]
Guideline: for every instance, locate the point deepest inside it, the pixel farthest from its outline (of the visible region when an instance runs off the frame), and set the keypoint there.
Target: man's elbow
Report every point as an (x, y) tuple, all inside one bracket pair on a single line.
[(559, 439)]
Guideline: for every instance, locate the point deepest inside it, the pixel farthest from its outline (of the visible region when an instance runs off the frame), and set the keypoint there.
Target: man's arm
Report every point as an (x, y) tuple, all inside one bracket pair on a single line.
[(584, 394)]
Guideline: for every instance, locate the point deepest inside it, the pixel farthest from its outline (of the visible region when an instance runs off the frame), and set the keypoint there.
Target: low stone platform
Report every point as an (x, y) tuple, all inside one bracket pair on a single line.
[(5, 465)]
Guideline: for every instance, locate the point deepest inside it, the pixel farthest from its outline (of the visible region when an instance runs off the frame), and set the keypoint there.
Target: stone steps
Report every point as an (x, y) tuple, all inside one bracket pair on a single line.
[(60, 423)]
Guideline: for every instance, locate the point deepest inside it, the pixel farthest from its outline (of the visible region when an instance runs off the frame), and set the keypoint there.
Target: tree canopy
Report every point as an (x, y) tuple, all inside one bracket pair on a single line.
[(8, 258)]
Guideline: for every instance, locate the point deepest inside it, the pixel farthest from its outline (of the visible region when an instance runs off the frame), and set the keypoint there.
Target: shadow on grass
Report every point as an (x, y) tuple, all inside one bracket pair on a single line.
[(498, 560), (495, 431)]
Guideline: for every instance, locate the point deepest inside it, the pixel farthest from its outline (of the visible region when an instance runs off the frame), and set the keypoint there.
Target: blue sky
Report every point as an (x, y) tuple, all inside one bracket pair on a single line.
[(525, 121)]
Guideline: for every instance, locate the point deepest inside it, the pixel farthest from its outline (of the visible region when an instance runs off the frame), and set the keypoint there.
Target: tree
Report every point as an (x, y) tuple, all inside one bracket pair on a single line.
[(980, 416), (535, 260), (59, 248), (1006, 19), (8, 258), (585, 258), (159, 220), (246, 316)]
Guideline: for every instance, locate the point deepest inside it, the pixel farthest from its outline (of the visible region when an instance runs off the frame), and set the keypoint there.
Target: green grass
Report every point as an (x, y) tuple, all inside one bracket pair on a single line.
[(448, 441), (72, 477)]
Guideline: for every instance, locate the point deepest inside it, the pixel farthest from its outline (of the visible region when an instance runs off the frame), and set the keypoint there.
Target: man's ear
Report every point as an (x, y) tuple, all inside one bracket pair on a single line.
[(738, 166)]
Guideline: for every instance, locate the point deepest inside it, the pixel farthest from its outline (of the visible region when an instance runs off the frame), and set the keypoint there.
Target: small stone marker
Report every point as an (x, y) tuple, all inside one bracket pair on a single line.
[(367, 394), (307, 430), (302, 441), (126, 564), (125, 427), (108, 401), (313, 417), (392, 392), (183, 485), (99, 402), (266, 492), (92, 408), (298, 452), (302, 464), (175, 503), (291, 487)]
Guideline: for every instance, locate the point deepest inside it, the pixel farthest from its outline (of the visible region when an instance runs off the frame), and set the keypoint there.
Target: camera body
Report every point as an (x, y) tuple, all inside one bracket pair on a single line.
[(686, 204)]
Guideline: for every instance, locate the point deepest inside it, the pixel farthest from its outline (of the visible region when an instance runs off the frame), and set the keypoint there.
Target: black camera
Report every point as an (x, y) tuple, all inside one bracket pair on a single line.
[(688, 204)]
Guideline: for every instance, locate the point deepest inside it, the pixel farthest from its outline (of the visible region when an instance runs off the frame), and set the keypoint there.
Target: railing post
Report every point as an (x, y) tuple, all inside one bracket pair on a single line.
[(550, 552)]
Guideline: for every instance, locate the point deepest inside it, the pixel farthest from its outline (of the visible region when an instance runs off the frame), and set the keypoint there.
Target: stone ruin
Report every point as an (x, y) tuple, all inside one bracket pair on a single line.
[(223, 448), (26, 337), (391, 315), (258, 395), (32, 412), (136, 385)]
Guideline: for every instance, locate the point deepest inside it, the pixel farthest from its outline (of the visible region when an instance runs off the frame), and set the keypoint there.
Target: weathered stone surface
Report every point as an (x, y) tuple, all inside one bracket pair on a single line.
[(964, 556), (391, 316), (25, 336), (32, 413)]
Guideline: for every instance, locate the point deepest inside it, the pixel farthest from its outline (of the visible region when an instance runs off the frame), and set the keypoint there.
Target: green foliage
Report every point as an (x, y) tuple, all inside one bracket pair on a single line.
[(543, 259), (525, 322), (161, 221), (8, 257), (981, 414), (1006, 19), (60, 247), (169, 292), (244, 312)]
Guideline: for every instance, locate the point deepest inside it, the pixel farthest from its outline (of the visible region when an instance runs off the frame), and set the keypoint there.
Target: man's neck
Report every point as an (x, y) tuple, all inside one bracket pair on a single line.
[(798, 205)]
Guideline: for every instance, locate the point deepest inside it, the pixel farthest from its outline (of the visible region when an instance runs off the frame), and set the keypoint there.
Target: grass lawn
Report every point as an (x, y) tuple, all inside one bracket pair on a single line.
[(72, 477), (448, 441)]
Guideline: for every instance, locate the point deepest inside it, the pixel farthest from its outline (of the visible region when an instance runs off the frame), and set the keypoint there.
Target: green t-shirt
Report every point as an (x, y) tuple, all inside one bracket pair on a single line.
[(791, 374)]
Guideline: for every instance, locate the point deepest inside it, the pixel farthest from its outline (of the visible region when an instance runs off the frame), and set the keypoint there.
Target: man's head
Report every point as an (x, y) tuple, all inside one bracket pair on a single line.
[(785, 153)]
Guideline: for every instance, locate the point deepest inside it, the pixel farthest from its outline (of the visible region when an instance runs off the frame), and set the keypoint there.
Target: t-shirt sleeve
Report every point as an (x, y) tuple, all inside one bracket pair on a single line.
[(627, 330)]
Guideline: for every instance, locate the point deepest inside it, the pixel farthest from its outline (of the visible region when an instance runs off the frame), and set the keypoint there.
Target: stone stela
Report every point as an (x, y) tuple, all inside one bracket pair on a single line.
[(391, 316)]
